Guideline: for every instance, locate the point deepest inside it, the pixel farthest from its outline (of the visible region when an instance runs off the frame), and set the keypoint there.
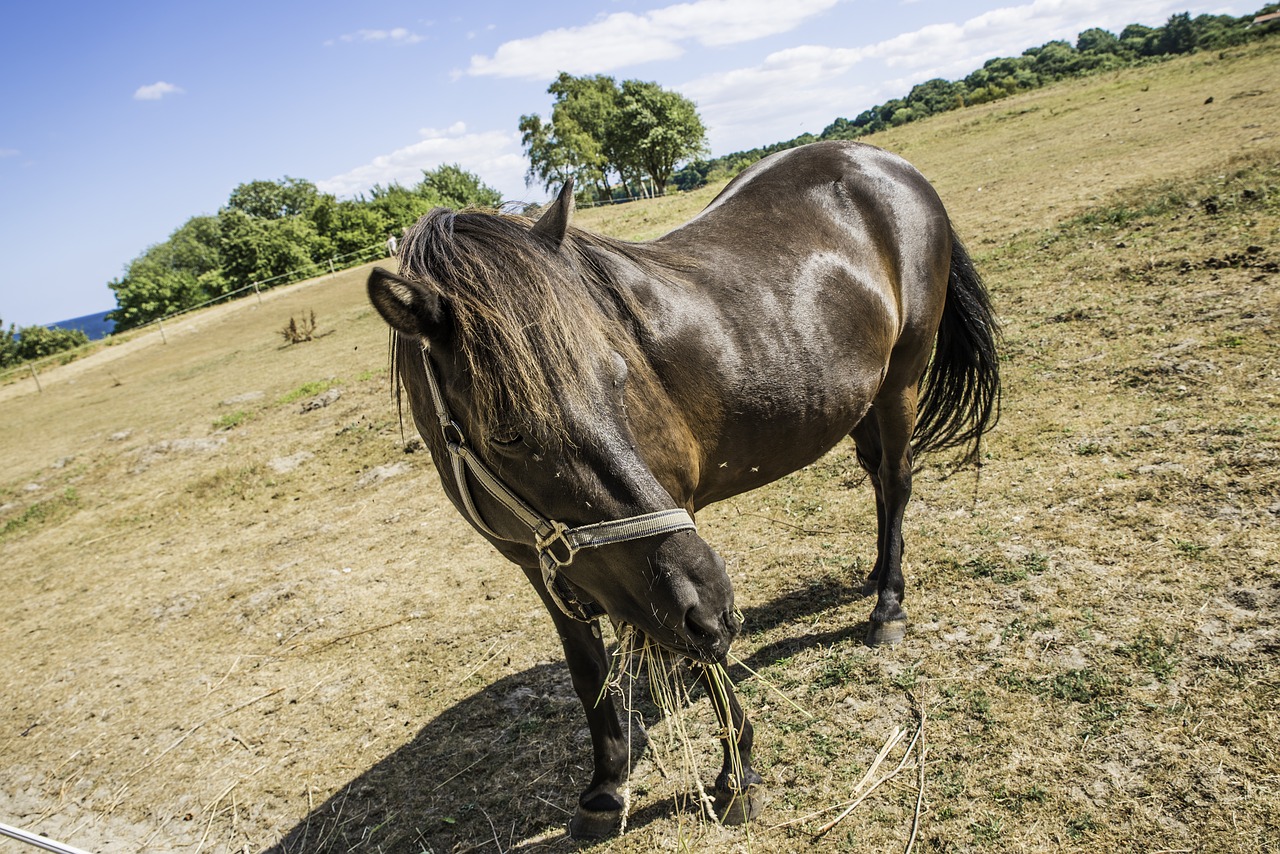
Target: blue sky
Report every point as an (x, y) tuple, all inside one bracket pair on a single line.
[(118, 121)]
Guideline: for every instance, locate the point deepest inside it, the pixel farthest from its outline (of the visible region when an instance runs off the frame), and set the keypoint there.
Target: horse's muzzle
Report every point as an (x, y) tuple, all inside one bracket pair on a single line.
[(709, 632)]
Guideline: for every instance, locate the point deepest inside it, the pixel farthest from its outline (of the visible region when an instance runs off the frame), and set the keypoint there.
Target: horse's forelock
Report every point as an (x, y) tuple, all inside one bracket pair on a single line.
[(528, 320)]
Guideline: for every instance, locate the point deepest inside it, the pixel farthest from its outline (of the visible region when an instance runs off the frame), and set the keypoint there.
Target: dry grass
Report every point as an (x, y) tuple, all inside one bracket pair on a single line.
[(233, 633)]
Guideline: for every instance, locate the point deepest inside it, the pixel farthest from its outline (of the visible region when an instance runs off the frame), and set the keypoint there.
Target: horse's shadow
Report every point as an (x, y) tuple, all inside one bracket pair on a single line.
[(506, 763)]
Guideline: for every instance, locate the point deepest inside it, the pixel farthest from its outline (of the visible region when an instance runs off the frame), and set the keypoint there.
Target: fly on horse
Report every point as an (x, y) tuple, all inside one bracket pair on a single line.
[(584, 397)]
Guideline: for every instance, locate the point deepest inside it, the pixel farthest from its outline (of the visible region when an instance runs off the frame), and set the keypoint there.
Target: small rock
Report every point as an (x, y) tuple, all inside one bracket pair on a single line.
[(247, 397), (323, 400), (380, 473), (284, 465)]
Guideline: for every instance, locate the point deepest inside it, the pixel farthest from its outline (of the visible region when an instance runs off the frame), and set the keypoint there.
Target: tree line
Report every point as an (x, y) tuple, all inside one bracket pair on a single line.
[(1095, 50), (25, 344), (268, 229)]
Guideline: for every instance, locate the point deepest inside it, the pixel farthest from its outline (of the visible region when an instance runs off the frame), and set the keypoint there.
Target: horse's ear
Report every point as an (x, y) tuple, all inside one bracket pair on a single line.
[(553, 224), (407, 306)]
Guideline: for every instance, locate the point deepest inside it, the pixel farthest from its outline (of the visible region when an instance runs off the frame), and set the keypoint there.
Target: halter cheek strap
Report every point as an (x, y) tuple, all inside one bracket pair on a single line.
[(555, 542)]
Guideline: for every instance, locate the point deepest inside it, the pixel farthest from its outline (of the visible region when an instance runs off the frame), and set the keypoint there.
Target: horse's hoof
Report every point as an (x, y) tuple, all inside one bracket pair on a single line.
[(594, 824), (734, 807), (889, 633)]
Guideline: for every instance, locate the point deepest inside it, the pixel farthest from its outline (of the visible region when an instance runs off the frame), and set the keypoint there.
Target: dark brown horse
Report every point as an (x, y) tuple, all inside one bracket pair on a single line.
[(582, 397)]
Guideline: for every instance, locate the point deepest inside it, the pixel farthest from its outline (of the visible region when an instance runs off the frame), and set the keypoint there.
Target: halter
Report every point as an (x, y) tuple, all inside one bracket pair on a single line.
[(555, 542)]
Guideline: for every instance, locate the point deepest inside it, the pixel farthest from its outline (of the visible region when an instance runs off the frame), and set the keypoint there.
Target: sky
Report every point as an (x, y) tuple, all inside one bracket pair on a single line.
[(120, 121)]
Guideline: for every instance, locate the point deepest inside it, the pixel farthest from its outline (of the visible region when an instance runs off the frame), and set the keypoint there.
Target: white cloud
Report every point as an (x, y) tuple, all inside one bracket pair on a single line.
[(9, 152), (496, 156), (396, 35), (156, 91), (805, 87), (625, 38)]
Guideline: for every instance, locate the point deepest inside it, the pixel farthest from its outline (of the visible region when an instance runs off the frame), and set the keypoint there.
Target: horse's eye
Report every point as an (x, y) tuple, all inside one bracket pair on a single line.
[(506, 438)]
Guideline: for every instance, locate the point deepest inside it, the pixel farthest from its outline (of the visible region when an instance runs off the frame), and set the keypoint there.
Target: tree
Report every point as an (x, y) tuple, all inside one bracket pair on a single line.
[(599, 130), (454, 187), (549, 163), (36, 342), (1097, 40), (256, 249), (657, 129), (183, 271), (1175, 37), (577, 142), (935, 96), (275, 199)]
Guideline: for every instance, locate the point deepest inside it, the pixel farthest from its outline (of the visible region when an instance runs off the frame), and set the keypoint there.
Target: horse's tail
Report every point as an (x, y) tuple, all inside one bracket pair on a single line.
[(960, 393)]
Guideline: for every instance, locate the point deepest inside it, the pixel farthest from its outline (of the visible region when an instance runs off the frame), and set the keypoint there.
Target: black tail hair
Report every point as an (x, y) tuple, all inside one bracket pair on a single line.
[(960, 393)]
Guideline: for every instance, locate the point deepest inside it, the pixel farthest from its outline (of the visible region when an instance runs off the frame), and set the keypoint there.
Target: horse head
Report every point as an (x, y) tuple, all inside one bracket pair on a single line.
[(541, 380)]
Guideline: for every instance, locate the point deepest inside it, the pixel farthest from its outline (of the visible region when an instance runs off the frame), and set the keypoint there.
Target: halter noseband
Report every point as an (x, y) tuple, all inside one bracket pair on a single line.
[(555, 542)]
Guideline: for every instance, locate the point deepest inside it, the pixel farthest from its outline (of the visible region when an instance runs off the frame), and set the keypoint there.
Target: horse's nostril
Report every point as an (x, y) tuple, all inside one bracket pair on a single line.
[(713, 629), (696, 628)]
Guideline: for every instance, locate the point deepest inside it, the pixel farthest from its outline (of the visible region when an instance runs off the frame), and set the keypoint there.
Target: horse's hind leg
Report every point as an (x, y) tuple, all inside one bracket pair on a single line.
[(883, 439), (737, 789), (601, 807)]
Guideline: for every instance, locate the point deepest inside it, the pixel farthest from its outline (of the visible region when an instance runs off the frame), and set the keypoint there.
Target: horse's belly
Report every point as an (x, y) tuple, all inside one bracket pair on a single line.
[(758, 447)]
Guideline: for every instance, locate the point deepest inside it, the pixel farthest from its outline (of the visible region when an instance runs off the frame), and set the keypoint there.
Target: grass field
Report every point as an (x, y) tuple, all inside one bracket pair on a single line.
[(241, 615)]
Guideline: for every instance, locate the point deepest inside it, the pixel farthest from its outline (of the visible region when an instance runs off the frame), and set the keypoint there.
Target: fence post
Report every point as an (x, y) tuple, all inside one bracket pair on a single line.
[(160, 323), (257, 292), (332, 272), (35, 377)]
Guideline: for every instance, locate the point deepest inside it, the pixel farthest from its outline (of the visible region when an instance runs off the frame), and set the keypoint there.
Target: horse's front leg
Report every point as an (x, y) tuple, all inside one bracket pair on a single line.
[(738, 786), (601, 807)]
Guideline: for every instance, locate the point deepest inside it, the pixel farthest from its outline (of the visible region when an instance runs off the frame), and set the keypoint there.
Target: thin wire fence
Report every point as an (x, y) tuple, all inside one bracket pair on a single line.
[(316, 268)]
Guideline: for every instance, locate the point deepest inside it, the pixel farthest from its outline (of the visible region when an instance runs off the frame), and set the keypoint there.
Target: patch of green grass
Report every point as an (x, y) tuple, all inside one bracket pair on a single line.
[(44, 512), (310, 389), (1004, 572), (1154, 652), (1080, 826), (1190, 549), (987, 832), (230, 420), (1080, 686)]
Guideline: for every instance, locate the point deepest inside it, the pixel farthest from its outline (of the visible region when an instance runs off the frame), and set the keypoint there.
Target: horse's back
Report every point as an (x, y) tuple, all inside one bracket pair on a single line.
[(810, 278)]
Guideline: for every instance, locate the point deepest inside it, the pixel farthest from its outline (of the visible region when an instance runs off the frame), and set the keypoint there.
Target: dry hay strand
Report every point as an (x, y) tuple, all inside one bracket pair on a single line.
[(869, 783)]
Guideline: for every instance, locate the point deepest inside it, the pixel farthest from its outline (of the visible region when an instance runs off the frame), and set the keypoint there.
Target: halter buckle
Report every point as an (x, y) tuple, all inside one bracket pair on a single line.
[(546, 545)]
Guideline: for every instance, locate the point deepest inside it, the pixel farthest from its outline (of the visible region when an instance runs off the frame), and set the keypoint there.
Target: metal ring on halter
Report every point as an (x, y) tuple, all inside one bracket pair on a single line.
[(558, 535)]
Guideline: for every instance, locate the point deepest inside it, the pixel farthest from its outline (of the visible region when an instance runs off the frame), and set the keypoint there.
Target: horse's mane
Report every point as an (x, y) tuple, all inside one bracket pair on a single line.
[(529, 319)]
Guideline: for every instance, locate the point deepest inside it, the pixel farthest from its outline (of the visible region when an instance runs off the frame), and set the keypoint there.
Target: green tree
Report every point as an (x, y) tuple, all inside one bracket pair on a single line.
[(454, 187), (36, 342), (1097, 40), (1134, 39), (257, 249), (549, 164), (578, 141), (1175, 37), (935, 96), (599, 131), (275, 199), (183, 271)]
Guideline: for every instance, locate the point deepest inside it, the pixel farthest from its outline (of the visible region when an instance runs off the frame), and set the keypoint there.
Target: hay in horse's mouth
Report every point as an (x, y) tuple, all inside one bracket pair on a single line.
[(668, 689)]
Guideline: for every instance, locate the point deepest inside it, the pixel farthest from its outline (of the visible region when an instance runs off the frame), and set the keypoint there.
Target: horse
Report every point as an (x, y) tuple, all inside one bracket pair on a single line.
[(583, 397)]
